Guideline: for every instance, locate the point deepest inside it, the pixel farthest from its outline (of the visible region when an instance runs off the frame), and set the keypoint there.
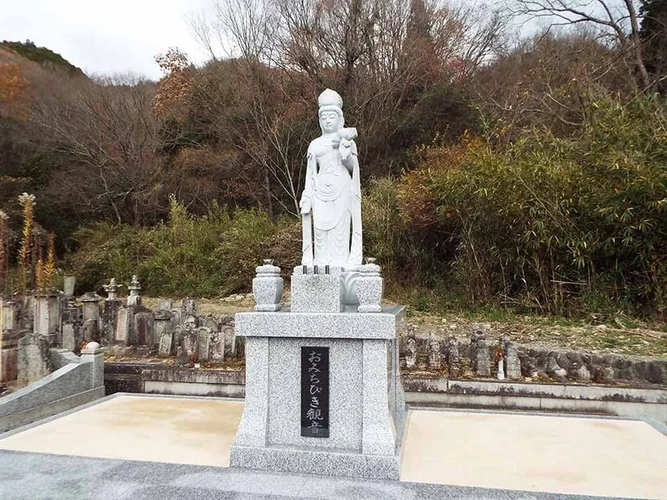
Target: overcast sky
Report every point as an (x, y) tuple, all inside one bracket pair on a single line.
[(104, 36)]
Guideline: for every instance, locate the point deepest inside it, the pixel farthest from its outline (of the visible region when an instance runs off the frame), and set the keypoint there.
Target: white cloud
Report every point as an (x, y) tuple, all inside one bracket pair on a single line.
[(110, 36)]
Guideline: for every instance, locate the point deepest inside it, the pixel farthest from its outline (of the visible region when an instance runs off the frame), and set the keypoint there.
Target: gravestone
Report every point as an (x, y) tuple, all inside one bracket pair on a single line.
[(124, 325), (512, 362), (211, 323), (91, 306), (453, 357), (164, 304), (9, 337), (188, 307), (176, 317), (481, 355), (230, 340), (47, 315), (8, 355), (89, 329), (11, 312), (72, 336), (68, 286), (411, 352), (217, 347), (134, 289), (190, 321), (109, 318), (162, 322), (165, 344), (203, 343), (33, 358), (143, 328), (188, 350), (434, 354)]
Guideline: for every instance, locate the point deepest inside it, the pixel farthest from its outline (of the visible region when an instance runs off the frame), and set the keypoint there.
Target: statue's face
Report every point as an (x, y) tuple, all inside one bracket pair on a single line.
[(329, 121)]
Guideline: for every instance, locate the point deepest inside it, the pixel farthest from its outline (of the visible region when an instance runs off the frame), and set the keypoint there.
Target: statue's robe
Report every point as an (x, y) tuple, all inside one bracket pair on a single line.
[(333, 187)]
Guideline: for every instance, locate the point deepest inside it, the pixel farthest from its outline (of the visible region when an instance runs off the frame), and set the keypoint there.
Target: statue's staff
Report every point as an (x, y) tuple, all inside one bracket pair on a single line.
[(306, 217)]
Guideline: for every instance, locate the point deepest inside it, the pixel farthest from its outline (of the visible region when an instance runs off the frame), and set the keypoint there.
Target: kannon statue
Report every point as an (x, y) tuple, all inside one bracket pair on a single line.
[(331, 200)]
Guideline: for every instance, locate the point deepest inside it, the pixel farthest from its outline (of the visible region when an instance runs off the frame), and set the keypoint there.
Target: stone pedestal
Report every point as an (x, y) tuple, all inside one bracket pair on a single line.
[(366, 406), (317, 289)]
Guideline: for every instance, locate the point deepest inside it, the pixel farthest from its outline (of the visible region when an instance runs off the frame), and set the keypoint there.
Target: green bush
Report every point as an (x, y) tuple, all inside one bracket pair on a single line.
[(206, 256), (554, 224)]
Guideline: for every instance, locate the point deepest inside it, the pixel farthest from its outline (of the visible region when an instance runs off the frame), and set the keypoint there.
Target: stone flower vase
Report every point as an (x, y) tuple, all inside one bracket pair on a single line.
[(369, 287), (267, 287)]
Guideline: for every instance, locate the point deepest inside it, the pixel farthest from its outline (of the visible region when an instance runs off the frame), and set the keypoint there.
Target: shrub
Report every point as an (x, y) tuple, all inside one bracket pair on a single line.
[(205, 256), (549, 222)]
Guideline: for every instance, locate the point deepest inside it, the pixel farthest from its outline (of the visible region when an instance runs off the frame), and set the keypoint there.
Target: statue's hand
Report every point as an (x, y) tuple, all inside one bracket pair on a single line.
[(305, 205), (345, 149)]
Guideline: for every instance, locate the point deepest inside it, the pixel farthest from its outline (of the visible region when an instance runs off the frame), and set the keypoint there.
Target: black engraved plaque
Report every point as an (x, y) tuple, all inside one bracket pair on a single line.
[(315, 392)]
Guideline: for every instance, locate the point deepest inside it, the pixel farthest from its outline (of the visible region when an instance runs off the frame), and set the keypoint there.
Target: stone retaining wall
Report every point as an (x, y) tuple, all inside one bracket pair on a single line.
[(479, 358), (77, 380), (421, 389)]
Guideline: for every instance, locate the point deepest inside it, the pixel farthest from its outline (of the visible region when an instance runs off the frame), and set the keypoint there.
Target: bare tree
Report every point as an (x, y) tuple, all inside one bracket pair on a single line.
[(550, 80), (381, 55), (105, 134), (614, 20)]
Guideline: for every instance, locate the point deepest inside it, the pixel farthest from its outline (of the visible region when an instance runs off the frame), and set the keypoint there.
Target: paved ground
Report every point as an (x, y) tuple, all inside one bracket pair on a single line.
[(160, 448), (197, 431), (32, 476), (561, 454)]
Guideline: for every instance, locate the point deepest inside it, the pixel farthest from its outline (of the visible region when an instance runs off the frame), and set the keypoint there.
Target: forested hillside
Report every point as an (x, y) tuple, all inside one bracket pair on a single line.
[(41, 55), (524, 172)]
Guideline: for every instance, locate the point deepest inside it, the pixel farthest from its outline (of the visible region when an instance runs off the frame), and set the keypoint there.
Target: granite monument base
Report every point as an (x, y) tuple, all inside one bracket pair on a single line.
[(349, 362)]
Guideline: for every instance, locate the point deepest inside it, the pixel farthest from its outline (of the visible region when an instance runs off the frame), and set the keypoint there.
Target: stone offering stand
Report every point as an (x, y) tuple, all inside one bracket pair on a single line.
[(323, 392)]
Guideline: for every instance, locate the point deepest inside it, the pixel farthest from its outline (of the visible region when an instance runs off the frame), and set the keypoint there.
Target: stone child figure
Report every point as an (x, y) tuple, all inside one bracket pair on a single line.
[(332, 193)]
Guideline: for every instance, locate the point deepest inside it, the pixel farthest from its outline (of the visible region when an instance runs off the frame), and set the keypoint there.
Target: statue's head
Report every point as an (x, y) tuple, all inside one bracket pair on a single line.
[(331, 111)]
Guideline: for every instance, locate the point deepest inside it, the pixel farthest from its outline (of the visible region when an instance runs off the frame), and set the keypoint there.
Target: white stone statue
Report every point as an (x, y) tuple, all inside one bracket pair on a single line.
[(332, 194)]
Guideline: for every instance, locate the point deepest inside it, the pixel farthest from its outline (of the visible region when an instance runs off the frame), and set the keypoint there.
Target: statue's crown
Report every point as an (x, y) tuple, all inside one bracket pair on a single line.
[(330, 98)]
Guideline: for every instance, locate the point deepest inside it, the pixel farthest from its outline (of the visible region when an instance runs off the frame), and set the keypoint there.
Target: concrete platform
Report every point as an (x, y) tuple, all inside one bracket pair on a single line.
[(584, 456), (446, 454), (146, 428)]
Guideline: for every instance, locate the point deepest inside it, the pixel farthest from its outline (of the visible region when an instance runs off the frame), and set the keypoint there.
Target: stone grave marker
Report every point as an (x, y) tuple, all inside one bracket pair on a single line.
[(512, 362), (124, 320), (90, 331), (72, 336), (164, 304), (203, 343), (434, 355), (176, 317), (188, 349), (109, 318), (68, 286), (229, 340), (143, 328), (212, 323), (162, 322), (33, 358), (217, 347), (188, 307), (166, 343)]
